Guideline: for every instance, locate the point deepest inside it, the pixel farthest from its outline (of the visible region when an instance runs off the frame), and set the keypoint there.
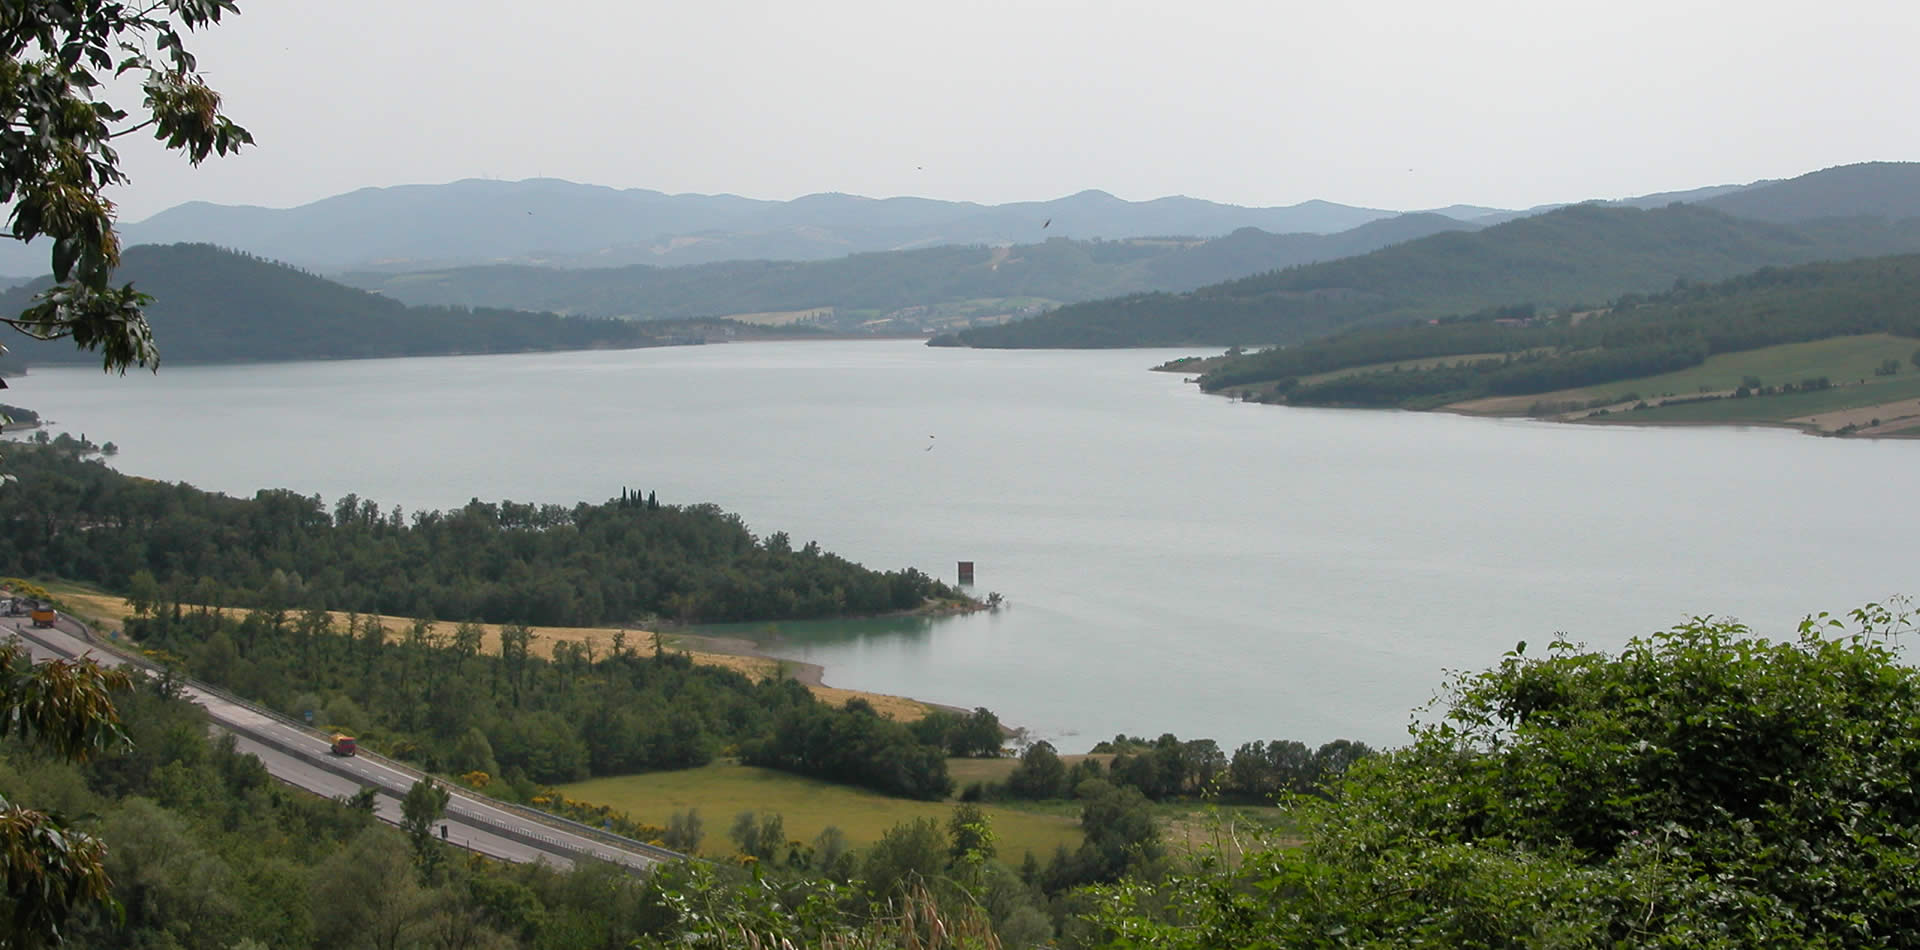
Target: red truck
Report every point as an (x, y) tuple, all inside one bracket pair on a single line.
[(343, 745)]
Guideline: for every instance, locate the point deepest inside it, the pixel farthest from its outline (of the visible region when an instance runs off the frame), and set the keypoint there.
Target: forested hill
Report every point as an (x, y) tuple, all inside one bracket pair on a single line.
[(1580, 254), (1517, 352), (214, 305), (865, 287), (626, 560), (1885, 189)]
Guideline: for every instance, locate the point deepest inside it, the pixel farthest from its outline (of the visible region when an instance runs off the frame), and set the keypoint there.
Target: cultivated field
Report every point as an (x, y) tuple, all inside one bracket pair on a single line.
[(1845, 360), (806, 806)]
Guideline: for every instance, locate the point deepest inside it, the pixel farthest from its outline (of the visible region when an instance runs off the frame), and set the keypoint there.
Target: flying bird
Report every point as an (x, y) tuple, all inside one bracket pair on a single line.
[(1043, 224)]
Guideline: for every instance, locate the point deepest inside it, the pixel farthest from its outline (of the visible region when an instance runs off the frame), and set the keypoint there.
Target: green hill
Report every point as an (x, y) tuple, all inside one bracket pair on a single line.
[(1584, 253), (214, 305), (1641, 346), (1880, 189)]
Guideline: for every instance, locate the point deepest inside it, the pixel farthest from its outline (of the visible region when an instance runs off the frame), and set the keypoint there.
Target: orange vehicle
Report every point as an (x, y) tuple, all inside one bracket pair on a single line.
[(43, 615), (343, 745)]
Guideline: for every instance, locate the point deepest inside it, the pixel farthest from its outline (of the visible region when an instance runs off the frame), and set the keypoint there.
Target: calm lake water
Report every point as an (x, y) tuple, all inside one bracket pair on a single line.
[(1174, 562)]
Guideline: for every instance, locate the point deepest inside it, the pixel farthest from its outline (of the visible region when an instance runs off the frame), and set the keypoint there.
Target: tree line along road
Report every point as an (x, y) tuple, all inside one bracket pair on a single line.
[(301, 758)]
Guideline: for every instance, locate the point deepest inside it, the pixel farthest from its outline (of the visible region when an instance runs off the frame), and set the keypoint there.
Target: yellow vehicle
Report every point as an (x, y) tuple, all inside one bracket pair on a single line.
[(42, 615), (343, 745)]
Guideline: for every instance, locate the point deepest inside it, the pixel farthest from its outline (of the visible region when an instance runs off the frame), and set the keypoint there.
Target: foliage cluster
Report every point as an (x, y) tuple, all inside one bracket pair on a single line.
[(1700, 788), (853, 745), (1168, 768)]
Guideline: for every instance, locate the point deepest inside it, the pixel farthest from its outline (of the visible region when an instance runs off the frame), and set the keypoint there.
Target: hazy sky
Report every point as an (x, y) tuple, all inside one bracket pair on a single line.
[(1389, 103)]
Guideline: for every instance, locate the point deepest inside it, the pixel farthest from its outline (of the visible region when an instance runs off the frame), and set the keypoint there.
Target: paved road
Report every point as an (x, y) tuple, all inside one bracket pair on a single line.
[(299, 757)]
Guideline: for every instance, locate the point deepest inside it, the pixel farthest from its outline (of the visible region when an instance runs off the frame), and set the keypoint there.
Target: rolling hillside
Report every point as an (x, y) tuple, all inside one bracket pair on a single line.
[(1581, 254), (1774, 345)]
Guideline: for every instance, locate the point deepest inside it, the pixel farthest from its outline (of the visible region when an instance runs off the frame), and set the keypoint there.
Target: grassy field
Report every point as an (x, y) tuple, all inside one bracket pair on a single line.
[(807, 806), (1845, 359), (1876, 390)]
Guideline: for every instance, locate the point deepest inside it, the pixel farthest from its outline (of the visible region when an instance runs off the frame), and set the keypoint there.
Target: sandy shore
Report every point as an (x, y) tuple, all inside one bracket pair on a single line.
[(749, 657)]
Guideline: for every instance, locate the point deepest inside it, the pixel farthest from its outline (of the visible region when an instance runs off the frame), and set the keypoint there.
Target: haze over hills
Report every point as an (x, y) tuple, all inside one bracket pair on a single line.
[(560, 223), (557, 222), (971, 284)]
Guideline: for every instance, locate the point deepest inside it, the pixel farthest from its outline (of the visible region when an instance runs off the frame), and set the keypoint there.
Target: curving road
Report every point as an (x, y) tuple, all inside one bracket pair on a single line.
[(300, 757)]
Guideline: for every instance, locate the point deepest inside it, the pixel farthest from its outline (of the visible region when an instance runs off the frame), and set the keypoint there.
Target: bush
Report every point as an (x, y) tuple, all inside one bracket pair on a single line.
[(1702, 787)]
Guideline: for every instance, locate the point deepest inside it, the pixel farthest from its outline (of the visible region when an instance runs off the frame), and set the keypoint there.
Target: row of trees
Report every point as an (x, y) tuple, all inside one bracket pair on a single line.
[(588, 565), (1168, 768)]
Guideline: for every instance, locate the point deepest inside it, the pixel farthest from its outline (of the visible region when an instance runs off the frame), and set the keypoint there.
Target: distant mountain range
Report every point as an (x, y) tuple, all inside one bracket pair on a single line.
[(559, 223), (1173, 270), (562, 224)]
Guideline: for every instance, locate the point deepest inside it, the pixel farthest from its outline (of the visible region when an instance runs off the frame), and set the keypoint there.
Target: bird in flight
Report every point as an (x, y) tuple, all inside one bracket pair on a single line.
[(1043, 224)]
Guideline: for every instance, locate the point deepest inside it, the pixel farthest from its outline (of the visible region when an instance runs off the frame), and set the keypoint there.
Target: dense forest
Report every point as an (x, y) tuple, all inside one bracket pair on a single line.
[(1575, 255), (627, 560), (861, 286), (1517, 351), (214, 305)]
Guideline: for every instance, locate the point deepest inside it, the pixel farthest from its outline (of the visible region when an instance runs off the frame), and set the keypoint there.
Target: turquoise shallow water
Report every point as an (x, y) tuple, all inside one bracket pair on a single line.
[(1174, 562)]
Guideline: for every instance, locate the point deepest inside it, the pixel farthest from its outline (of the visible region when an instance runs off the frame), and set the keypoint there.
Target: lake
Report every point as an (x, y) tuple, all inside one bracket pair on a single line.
[(1173, 562)]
